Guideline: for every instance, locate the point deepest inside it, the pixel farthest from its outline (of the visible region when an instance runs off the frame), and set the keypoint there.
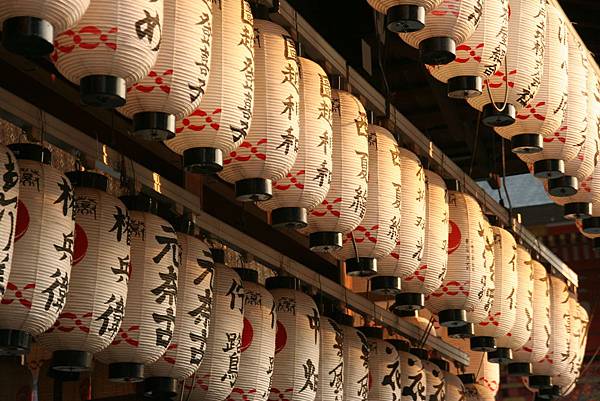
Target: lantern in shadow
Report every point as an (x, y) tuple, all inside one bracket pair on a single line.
[(9, 193)]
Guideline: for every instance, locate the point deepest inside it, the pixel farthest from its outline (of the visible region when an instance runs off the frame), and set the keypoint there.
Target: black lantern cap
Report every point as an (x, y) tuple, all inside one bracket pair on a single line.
[(160, 388), (126, 372), (591, 225), (203, 160), (253, 190), (400, 345), (293, 218), (361, 267), (405, 18), (218, 255), (577, 210), (28, 36), (372, 332), (483, 344), (104, 91), (467, 378), (438, 50), (563, 186), (550, 393), (467, 330), (464, 86), (88, 179), (421, 353), (519, 369), (403, 313), (154, 126), (14, 342), (142, 203), (549, 168), (441, 363), (385, 285), (527, 143), (540, 381), (247, 274), (501, 356), (492, 117), (409, 301), (452, 184), (453, 317), (325, 241), (31, 151), (277, 282), (71, 361)]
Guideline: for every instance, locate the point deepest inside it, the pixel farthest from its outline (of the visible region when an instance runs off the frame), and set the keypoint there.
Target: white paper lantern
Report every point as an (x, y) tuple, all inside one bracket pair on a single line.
[(519, 78), (331, 361), (217, 375), (43, 250), (478, 57), (384, 367), (477, 392), (585, 326), (568, 375), (194, 303), (296, 366), (269, 150), (114, 45), (346, 203), (148, 323), (406, 257), (544, 113), (307, 183), (9, 193), (404, 15), (97, 293), (258, 341), (377, 234), (486, 374), (356, 365), (413, 377), (580, 205), (222, 120), (464, 286), (436, 381), (175, 85), (455, 389), (29, 26)]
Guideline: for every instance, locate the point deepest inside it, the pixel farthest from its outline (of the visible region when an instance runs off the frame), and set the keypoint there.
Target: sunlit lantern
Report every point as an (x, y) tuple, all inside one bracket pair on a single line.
[(512, 87), (36, 290), (29, 26), (331, 361), (479, 56), (9, 192), (269, 150), (482, 373), (222, 120), (404, 15), (356, 364), (455, 389), (97, 293), (580, 205), (452, 22), (346, 203), (307, 183), (413, 377), (113, 46), (384, 367), (377, 234), (436, 381)]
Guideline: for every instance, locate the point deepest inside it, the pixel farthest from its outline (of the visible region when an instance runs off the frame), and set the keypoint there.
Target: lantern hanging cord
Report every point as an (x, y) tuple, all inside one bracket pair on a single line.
[(475, 146), (504, 181), (191, 387), (381, 50), (354, 246), (426, 333), (487, 87)]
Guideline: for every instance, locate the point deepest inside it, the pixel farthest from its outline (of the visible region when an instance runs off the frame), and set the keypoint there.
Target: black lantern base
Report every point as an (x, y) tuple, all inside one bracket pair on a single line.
[(28, 36), (403, 313), (279, 282), (409, 301), (519, 369), (483, 344), (372, 332), (549, 168), (421, 353), (289, 217), (540, 382), (385, 285), (88, 179), (104, 91), (596, 244), (563, 186), (464, 86), (527, 143), (325, 241), (203, 160), (361, 267), (71, 361), (249, 275), (441, 363), (501, 356), (591, 225), (154, 126), (405, 18), (160, 387), (126, 372), (14, 342), (253, 190), (437, 50), (549, 393), (467, 378), (577, 210), (462, 332), (453, 317), (492, 117)]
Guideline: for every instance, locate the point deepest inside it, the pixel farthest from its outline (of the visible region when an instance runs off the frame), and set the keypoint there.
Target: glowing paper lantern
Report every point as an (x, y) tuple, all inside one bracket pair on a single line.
[(404, 15), (97, 293), (331, 361), (566, 377), (377, 234), (307, 184), (406, 256), (296, 365), (384, 367), (346, 203), (269, 150), (436, 381), (114, 45), (479, 56), (222, 119), (194, 303), (413, 376), (356, 365), (519, 78), (485, 373), (29, 26), (9, 193), (580, 205), (149, 317), (543, 116), (43, 250), (452, 22), (455, 389)]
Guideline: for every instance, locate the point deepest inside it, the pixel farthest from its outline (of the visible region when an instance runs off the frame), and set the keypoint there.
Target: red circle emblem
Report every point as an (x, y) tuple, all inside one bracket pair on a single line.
[(81, 244), (280, 337), (22, 220), (247, 335), (454, 237)]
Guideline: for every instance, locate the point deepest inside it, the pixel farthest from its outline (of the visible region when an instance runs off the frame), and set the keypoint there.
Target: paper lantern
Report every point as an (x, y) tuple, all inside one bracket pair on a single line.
[(377, 234), (97, 293), (218, 372), (455, 389), (296, 365), (452, 22), (346, 203), (436, 381), (9, 193), (404, 15), (406, 257), (518, 80), (29, 26), (464, 287), (222, 119), (307, 183), (580, 205), (269, 150), (384, 367), (485, 373), (114, 45), (175, 85), (479, 56), (43, 249), (356, 365), (331, 361), (432, 270), (477, 392), (413, 376), (544, 114), (568, 375), (258, 341), (194, 303)]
